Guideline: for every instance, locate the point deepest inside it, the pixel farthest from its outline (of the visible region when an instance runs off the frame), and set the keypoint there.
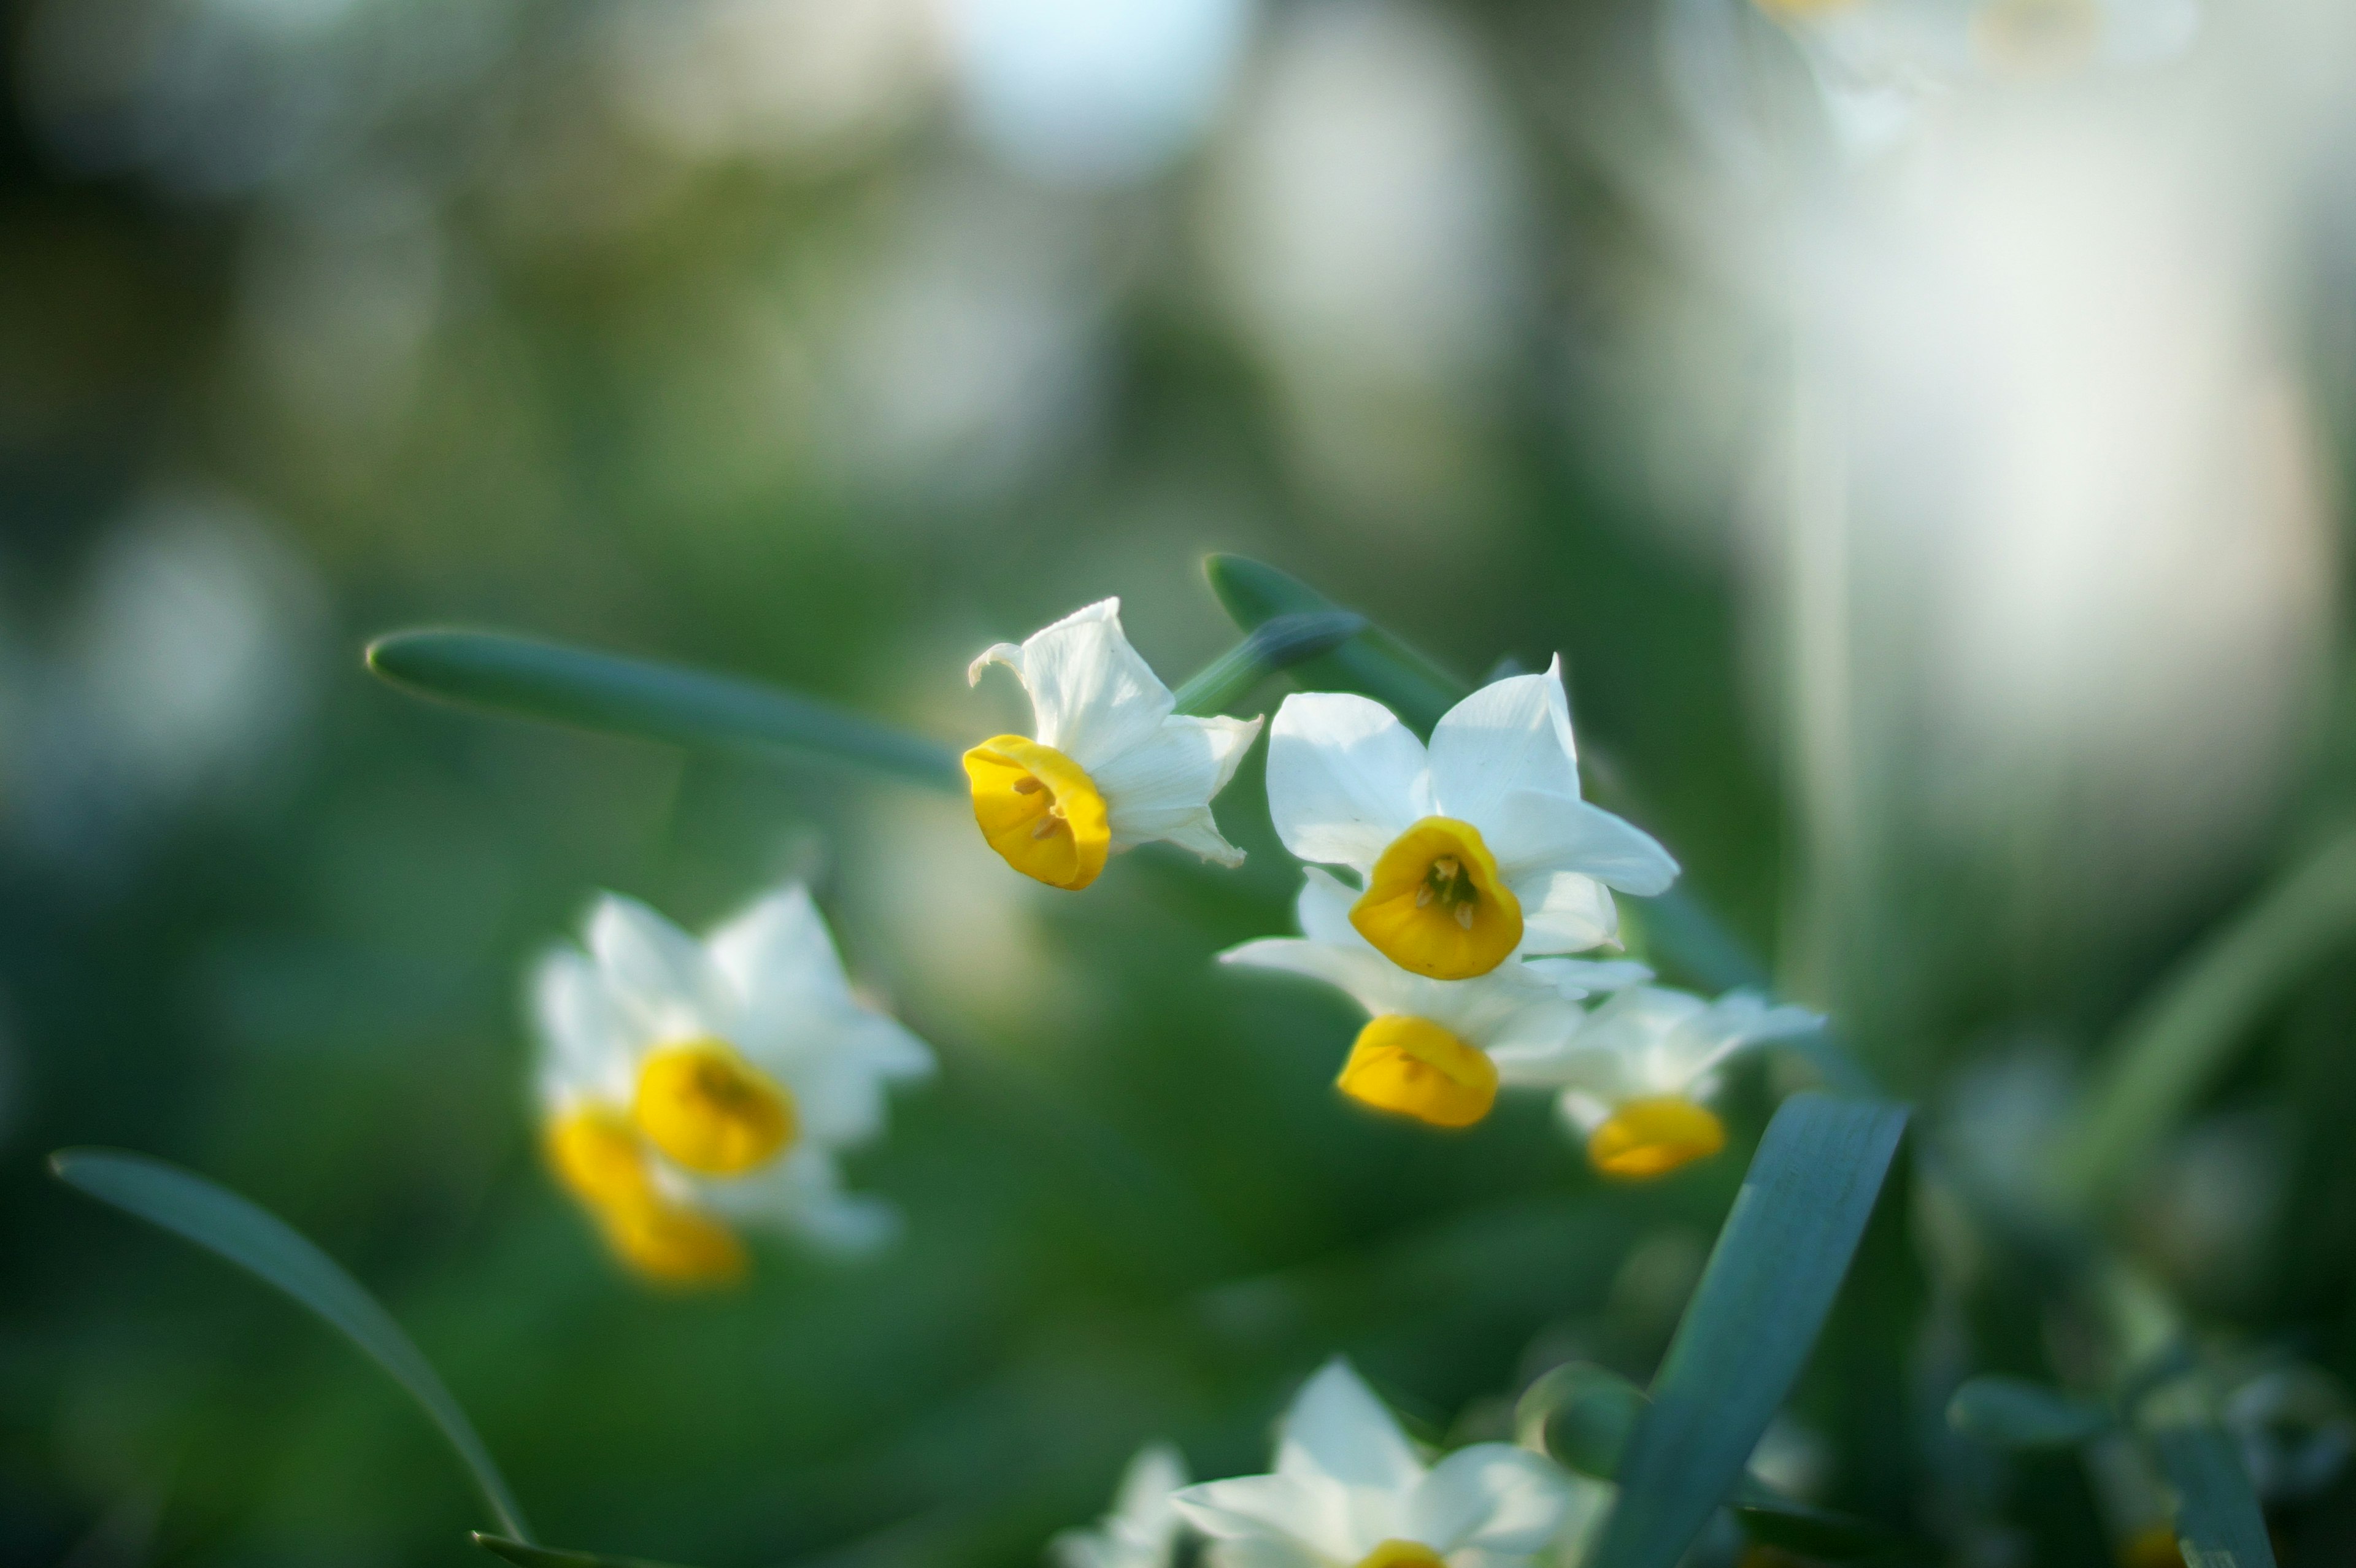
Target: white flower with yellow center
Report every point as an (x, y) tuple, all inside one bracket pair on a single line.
[(689, 1087), (1350, 1491), (1637, 1080), (1144, 1529), (1436, 1051), (1471, 851), (1110, 767)]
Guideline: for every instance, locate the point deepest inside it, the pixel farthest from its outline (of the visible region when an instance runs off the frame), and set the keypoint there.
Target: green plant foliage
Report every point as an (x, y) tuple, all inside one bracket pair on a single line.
[(526, 1555), (2013, 1413)]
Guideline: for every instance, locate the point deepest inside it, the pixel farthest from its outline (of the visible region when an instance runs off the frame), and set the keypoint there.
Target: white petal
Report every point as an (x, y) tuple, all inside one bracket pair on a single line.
[(1323, 910), (837, 1066), (1158, 1470), (1493, 1497), (1578, 978), (1162, 788), (658, 973), (778, 954), (1512, 734), (1263, 1551), (1566, 913), (1532, 833), (1373, 981), (1344, 777), (803, 1194), (1337, 1428), (1306, 1509), (585, 1048), (1092, 698)]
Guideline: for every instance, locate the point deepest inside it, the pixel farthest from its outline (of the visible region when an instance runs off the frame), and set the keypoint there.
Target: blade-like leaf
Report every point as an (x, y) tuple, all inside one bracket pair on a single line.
[(262, 1245), (2179, 1042), (2218, 1521), (2015, 1413), (1819, 1534), (1372, 662), (654, 701), (1752, 1321), (1583, 1414), (1272, 645), (531, 1556)]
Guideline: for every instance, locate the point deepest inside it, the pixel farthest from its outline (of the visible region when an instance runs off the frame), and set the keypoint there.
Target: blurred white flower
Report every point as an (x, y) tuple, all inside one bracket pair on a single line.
[(1472, 851), (1094, 91), (1111, 765), (1433, 1050), (1144, 1529), (2294, 1428), (1635, 1080), (1350, 1491), (688, 1086)]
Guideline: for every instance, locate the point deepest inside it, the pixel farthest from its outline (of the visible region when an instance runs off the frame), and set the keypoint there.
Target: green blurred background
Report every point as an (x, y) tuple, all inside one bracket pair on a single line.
[(1944, 537)]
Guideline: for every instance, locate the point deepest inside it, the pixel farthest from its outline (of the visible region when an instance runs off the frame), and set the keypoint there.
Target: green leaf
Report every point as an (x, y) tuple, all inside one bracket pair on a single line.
[(1777, 1522), (1583, 1414), (1752, 1321), (529, 1556), (1272, 645), (260, 1243), (2179, 1041), (2218, 1521), (2015, 1413), (620, 696), (1372, 662)]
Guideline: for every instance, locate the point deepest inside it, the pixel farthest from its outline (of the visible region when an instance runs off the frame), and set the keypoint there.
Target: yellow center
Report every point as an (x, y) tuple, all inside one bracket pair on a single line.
[(1652, 1138), (712, 1111), (2036, 38), (1433, 904), (1416, 1068), (1040, 810), (602, 1160), (1402, 1555), (674, 1243)]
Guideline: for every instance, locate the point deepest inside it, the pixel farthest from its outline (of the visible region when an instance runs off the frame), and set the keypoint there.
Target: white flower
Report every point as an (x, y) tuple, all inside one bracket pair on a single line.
[(1635, 1079), (1350, 1493), (1433, 1050), (1472, 851), (1110, 767), (688, 1086), (1143, 1528)]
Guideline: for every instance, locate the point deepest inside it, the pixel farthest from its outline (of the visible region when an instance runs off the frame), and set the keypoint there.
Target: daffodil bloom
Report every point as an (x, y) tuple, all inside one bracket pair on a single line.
[(1144, 1529), (1637, 1080), (1469, 852), (1436, 1051), (1350, 1491), (1109, 767), (691, 1088)]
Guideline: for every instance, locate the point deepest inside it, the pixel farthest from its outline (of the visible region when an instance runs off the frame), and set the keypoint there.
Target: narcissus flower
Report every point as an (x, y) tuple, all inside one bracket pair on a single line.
[(1350, 1491), (1472, 851), (687, 1088), (1636, 1081), (1436, 1051), (1144, 1529), (1110, 765)]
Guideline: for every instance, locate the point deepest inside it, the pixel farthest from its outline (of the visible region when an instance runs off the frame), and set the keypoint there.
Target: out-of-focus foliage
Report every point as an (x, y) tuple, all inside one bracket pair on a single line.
[(1947, 554)]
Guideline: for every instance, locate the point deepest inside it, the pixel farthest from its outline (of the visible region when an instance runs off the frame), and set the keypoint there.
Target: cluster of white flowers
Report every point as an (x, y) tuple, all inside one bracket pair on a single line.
[(1478, 868)]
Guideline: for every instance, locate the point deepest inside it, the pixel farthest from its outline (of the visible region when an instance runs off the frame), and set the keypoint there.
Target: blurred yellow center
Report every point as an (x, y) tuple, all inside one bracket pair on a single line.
[(1040, 810), (1653, 1137), (674, 1243), (2036, 38), (598, 1155), (1433, 904), (1402, 1555), (1414, 1067), (712, 1111)]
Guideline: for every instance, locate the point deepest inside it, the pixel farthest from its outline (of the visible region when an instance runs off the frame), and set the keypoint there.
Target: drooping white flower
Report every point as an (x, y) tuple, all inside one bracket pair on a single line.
[(1350, 1491), (1471, 851), (1144, 1529), (1637, 1079), (1110, 767), (1433, 1050), (687, 1088)]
